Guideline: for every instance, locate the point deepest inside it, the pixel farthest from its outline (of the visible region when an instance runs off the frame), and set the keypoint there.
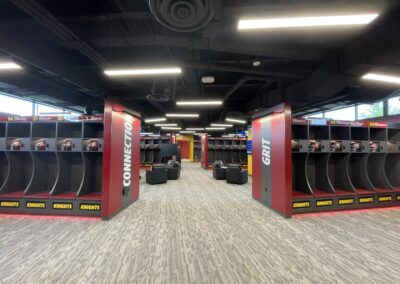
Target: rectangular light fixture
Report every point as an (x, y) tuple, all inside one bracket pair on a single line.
[(187, 132), (272, 23), (215, 128), (240, 121), (171, 128), (208, 79), (143, 72), (146, 133), (199, 103), (9, 66), (165, 124), (151, 120), (221, 125), (195, 128), (382, 78), (188, 115)]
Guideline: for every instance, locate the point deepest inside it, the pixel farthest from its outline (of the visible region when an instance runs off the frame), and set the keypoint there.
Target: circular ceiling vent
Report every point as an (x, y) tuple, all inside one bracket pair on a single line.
[(182, 15), (160, 98)]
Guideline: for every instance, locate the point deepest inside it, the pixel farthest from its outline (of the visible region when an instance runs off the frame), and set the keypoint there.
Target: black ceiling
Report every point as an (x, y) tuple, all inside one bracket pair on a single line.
[(64, 46)]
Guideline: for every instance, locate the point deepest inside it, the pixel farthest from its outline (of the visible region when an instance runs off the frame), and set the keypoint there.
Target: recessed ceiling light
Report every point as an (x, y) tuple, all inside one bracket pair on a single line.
[(215, 128), (256, 63), (208, 79), (146, 133), (165, 124), (321, 21), (9, 66), (150, 120), (143, 72), (199, 103), (171, 128), (187, 132), (195, 128), (382, 78), (240, 121), (221, 125), (188, 115)]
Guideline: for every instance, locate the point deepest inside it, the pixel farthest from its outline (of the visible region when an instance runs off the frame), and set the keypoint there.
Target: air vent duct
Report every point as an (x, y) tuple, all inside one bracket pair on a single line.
[(182, 15), (159, 98)]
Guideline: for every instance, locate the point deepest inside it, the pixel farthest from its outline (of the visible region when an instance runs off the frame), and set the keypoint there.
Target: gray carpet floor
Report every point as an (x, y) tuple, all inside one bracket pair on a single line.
[(199, 230)]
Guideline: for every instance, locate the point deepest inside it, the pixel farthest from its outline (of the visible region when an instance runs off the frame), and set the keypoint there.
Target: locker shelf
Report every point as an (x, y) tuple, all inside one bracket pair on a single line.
[(43, 130), (93, 130), (69, 130), (19, 130)]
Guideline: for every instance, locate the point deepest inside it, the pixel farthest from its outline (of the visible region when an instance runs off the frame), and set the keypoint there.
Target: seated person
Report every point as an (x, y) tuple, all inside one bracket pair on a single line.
[(173, 161)]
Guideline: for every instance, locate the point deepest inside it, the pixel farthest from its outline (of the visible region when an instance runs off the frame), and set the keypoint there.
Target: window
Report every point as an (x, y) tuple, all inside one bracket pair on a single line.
[(368, 111), (48, 110), (316, 115), (15, 106), (348, 113), (394, 106)]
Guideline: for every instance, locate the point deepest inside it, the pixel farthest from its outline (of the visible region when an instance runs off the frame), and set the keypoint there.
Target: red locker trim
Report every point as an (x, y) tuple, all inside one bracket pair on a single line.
[(256, 158)]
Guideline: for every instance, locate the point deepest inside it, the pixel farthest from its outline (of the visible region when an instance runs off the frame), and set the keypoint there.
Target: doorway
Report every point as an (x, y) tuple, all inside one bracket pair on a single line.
[(185, 148)]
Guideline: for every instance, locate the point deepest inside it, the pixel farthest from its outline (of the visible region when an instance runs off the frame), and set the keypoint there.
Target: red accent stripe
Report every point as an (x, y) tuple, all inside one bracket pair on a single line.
[(90, 196), (281, 172), (256, 158)]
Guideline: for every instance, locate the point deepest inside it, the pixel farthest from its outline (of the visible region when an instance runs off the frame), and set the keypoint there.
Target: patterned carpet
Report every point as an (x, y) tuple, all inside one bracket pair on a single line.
[(199, 230)]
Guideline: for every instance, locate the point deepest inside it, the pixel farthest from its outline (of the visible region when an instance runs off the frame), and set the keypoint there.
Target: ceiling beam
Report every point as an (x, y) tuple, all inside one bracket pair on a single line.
[(40, 56), (219, 45), (45, 18)]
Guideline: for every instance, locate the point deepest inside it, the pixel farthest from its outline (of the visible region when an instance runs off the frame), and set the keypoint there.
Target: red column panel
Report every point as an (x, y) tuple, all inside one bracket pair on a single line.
[(135, 158), (113, 159), (281, 163), (256, 160), (204, 151)]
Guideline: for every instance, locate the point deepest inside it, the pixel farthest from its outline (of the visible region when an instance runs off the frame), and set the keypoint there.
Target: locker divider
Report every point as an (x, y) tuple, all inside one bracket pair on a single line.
[(376, 172), (392, 170), (338, 173), (317, 174), (91, 183), (45, 173), (4, 169), (20, 173), (358, 172), (70, 176)]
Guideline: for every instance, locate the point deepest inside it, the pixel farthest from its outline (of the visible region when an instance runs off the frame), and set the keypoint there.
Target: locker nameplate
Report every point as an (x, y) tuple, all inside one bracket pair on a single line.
[(9, 204), (384, 198), (366, 200), (35, 205), (62, 205), (89, 207), (346, 201), (302, 204), (323, 203)]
